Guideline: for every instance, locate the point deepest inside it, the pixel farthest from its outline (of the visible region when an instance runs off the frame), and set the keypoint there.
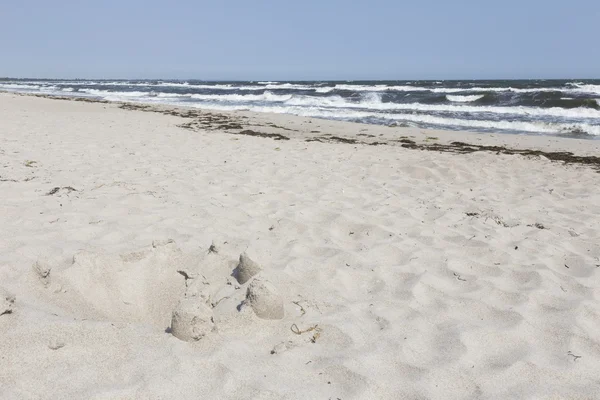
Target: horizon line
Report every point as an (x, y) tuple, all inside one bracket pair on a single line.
[(297, 80)]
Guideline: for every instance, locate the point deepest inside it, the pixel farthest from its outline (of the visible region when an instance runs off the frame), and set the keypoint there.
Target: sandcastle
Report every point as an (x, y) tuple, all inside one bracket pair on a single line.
[(265, 300), (192, 320), (246, 269)]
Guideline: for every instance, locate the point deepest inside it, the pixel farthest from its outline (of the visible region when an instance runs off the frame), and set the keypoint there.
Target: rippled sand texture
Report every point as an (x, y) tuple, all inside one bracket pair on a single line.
[(403, 273)]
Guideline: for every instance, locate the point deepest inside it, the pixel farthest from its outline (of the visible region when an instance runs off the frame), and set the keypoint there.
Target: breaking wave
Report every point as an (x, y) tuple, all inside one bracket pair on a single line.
[(465, 99)]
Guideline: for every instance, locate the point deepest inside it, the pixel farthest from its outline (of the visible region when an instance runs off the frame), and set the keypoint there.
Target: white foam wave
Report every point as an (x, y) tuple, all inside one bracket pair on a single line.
[(593, 89), (309, 101), (113, 94), (517, 110), (203, 86), (368, 106), (48, 88), (374, 103), (144, 84), (325, 89), (585, 89), (464, 99), (514, 126), (408, 88), (267, 96), (369, 101), (166, 84), (171, 95), (290, 86), (378, 88), (570, 87), (17, 86)]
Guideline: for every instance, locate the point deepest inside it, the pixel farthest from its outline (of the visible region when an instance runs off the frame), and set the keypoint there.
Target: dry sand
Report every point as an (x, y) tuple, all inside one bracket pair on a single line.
[(370, 272)]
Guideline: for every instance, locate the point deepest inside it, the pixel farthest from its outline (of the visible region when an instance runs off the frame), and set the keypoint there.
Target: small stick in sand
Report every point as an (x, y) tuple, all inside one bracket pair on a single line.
[(213, 248), (459, 277), (294, 328), (302, 310)]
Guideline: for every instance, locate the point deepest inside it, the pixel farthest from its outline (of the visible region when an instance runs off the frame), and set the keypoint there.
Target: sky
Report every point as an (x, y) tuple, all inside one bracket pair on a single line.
[(300, 39)]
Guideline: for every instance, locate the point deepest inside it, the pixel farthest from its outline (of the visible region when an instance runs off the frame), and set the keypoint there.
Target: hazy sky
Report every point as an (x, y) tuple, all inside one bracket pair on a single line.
[(300, 39)]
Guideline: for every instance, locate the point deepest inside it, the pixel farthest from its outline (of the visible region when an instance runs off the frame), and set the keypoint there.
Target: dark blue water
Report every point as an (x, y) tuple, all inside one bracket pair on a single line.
[(551, 107)]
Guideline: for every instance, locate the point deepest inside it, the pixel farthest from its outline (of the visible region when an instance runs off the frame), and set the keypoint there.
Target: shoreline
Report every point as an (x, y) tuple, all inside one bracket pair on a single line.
[(314, 263), (528, 107), (583, 151)]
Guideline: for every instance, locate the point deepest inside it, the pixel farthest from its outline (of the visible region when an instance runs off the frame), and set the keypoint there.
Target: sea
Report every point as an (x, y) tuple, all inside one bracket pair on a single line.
[(546, 107)]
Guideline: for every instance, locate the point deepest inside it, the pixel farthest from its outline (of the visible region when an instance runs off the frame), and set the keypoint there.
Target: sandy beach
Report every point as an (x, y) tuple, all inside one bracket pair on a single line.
[(149, 252)]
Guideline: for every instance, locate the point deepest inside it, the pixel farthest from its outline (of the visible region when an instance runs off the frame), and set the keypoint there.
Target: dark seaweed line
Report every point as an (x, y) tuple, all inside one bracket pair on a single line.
[(453, 147), (466, 148)]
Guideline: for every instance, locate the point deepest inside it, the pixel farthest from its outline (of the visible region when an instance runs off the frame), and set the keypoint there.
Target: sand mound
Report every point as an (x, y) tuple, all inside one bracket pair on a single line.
[(137, 287), (264, 299), (192, 320), (246, 269), (158, 285)]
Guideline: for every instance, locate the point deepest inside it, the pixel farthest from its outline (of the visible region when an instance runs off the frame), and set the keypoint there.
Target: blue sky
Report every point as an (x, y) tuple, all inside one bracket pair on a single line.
[(243, 39)]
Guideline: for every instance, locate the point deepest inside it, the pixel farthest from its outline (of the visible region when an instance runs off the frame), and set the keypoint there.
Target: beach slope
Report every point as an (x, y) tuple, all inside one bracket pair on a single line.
[(157, 253)]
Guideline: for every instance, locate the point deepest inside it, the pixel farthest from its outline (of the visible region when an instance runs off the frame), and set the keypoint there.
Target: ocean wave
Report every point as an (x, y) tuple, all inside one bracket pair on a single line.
[(592, 89), (330, 101), (160, 84), (379, 88), (368, 101), (171, 95), (113, 94), (48, 88), (569, 87), (325, 89), (514, 126), (464, 124), (374, 103), (238, 98), (270, 86), (408, 88), (465, 99), (207, 86), (17, 86), (290, 86), (567, 107), (168, 84), (266, 96), (576, 89)]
